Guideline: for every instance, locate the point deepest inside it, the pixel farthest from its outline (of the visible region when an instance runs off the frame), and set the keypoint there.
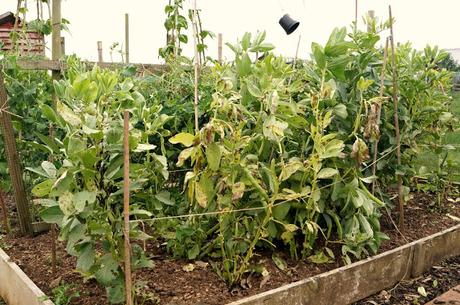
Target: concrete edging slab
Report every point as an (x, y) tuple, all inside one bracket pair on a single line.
[(359, 280), (16, 288)]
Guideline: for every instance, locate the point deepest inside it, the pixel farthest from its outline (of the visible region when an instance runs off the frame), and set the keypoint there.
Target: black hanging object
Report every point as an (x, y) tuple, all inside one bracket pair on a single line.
[(289, 24)]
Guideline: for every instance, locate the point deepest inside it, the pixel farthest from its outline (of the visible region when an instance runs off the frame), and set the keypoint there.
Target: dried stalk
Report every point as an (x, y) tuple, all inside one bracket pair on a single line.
[(396, 123)]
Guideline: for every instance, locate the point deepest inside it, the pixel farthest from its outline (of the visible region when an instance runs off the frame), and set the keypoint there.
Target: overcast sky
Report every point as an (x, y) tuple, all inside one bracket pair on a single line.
[(420, 21)]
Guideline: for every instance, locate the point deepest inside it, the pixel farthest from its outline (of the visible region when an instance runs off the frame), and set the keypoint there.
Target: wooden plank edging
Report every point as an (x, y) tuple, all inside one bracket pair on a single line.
[(16, 288), (359, 280)]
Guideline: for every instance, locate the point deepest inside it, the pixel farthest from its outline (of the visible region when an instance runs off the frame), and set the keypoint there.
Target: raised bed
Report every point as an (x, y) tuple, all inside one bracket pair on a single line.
[(348, 284), (16, 288), (354, 282)]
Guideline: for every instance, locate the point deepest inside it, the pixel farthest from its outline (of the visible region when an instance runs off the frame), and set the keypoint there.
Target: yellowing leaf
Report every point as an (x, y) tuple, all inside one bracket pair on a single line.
[(200, 195), (184, 155), (291, 227), (327, 173), (184, 138), (238, 191)]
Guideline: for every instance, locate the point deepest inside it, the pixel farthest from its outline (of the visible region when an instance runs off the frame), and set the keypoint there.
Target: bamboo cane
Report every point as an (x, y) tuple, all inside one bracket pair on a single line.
[(127, 250), (379, 111), (196, 65)]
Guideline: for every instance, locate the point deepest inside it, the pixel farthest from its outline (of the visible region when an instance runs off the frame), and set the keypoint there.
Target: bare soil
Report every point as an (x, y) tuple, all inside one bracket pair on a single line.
[(169, 283)]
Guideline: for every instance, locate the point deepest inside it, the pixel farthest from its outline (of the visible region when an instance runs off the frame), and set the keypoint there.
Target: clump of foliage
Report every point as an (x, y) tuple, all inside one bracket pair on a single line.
[(83, 186), (282, 159)]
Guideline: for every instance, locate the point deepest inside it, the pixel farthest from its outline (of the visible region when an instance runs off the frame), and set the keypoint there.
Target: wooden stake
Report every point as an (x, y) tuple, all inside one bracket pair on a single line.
[(14, 164), (356, 14), (379, 111), (195, 43), (371, 15), (6, 227), (57, 47), (127, 38), (219, 47), (396, 123), (99, 52), (128, 279)]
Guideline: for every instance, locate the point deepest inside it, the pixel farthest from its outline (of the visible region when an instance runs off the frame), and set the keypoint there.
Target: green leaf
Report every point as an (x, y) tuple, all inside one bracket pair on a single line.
[(184, 138), (327, 173), (213, 156), (52, 215), (280, 211), (279, 262), (165, 197), (81, 199), (253, 88), (86, 256), (318, 54), (116, 294)]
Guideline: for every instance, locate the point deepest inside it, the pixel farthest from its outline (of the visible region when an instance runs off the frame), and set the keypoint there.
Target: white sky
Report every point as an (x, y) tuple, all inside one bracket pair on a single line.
[(419, 21)]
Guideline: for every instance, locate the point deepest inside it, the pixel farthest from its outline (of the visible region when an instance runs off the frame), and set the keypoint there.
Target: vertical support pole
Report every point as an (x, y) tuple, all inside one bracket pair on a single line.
[(371, 15), (127, 37), (219, 47), (99, 52), (14, 164), (62, 46), (57, 46), (356, 15), (396, 123), (195, 45), (379, 112), (127, 250)]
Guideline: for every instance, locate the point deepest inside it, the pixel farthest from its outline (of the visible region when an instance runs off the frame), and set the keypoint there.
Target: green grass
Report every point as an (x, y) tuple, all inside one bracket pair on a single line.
[(430, 160)]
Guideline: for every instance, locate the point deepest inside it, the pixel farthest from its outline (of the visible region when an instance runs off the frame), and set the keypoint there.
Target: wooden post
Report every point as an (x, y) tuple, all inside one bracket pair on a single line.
[(57, 47), (127, 37), (127, 250), (14, 164), (396, 123), (195, 44), (62, 45), (219, 47), (99, 52), (4, 214)]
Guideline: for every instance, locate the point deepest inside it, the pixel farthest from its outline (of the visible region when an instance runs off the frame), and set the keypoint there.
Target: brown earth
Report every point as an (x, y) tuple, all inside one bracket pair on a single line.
[(169, 283)]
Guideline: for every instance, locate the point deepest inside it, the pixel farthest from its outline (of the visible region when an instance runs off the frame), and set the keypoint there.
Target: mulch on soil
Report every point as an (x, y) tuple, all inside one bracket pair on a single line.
[(169, 283)]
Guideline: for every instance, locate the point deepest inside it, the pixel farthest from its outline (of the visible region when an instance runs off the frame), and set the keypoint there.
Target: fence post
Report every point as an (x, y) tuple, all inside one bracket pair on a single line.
[(14, 164)]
